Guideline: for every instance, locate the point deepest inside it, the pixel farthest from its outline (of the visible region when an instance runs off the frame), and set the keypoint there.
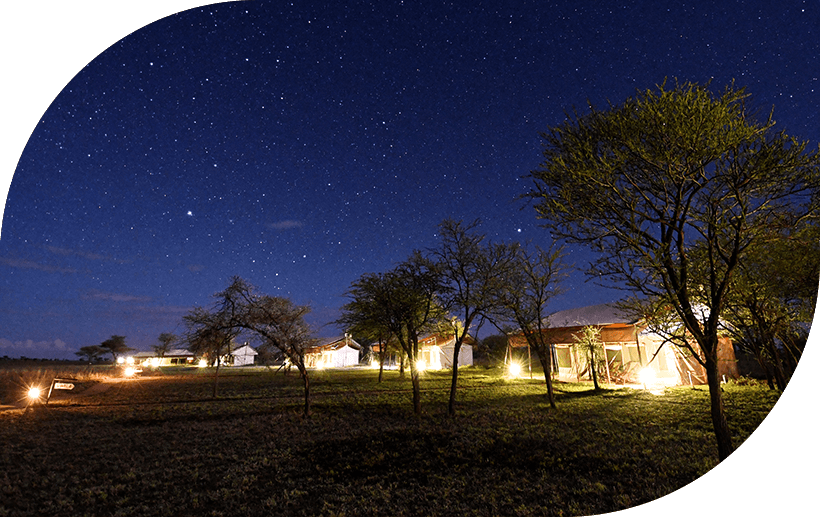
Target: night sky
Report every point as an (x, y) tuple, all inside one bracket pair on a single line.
[(302, 146)]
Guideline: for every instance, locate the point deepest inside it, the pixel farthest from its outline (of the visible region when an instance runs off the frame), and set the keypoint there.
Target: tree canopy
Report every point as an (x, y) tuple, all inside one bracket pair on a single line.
[(667, 172)]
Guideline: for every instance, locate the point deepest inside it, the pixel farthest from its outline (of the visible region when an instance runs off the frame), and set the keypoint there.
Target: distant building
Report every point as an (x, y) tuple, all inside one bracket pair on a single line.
[(175, 357), (336, 352)]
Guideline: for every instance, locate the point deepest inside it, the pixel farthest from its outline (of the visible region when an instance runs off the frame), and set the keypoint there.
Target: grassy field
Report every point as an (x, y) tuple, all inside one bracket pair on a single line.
[(160, 445)]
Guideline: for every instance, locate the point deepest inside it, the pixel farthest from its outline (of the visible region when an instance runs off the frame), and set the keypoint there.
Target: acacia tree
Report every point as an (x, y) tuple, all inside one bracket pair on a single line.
[(91, 352), (279, 324), (166, 339), (115, 345), (403, 303), (774, 295), (531, 284), (364, 315), (276, 322), (471, 276), (211, 331), (644, 182)]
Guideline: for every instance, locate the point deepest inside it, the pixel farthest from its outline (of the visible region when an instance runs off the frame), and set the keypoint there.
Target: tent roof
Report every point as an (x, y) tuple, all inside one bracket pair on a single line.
[(602, 314), (250, 350), (177, 352), (334, 343)]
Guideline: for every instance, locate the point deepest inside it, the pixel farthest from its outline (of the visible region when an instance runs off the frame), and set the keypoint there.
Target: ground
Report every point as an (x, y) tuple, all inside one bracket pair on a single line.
[(161, 445)]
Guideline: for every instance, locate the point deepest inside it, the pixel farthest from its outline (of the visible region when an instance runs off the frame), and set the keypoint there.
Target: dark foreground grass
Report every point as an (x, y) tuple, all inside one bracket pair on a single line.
[(162, 446)]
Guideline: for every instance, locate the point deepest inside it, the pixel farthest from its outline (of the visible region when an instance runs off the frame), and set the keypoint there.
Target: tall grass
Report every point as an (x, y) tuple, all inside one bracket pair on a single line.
[(16, 379)]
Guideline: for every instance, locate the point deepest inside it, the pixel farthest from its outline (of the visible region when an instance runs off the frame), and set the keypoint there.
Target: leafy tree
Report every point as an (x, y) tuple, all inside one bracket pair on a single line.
[(115, 345), (91, 352), (492, 348), (589, 341), (531, 285), (403, 303), (471, 276), (364, 315), (773, 297), (645, 182)]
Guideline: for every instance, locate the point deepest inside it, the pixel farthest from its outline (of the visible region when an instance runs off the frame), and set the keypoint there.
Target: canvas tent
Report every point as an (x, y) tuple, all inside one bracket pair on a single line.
[(243, 356), (435, 352), (336, 352), (175, 357), (630, 347)]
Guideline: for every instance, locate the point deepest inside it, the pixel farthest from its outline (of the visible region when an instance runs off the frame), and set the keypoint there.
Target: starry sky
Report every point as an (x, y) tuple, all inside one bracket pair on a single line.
[(299, 145)]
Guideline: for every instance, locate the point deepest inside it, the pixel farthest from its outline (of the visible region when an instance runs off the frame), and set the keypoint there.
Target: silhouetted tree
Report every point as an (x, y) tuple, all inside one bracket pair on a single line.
[(91, 352), (528, 289), (115, 345), (471, 275), (166, 340)]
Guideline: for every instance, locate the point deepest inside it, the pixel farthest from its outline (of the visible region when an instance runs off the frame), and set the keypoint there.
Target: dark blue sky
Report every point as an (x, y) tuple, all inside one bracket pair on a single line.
[(302, 146)]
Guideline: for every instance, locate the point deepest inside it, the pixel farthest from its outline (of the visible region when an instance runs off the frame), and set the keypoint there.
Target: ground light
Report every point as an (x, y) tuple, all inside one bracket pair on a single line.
[(647, 377), (34, 393), (514, 369)]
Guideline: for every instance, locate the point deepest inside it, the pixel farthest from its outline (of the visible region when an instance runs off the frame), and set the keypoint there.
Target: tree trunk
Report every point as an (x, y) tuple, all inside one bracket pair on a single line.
[(721, 427), (414, 376), (777, 365), (546, 364), (306, 381), (382, 353), (451, 407), (593, 369), (216, 377)]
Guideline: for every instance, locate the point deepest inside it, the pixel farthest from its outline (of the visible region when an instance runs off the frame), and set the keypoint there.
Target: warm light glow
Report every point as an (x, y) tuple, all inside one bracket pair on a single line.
[(120, 360), (514, 369), (34, 393), (202, 363), (421, 365), (155, 361), (647, 376), (129, 360), (130, 371)]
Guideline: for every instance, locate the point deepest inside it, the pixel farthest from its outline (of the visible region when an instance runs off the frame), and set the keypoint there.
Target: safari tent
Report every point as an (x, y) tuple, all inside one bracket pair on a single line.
[(436, 352), (243, 356), (630, 348), (336, 352), (175, 357)]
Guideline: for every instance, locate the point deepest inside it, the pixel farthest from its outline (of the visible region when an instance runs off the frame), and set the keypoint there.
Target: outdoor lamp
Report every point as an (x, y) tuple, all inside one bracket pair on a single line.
[(34, 393)]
